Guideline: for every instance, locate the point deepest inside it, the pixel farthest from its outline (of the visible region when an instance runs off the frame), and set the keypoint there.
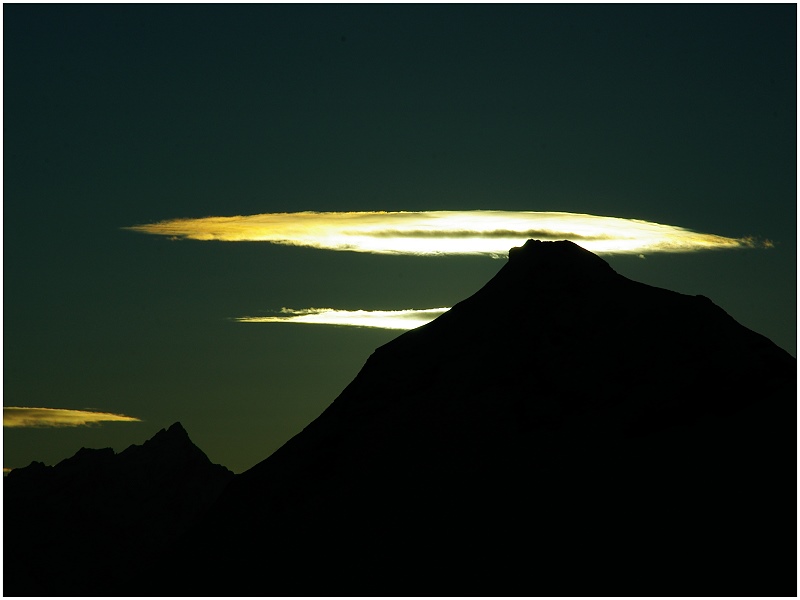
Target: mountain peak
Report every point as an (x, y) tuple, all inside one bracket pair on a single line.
[(174, 435), (558, 257), (533, 246), (537, 267), (176, 431), (172, 443)]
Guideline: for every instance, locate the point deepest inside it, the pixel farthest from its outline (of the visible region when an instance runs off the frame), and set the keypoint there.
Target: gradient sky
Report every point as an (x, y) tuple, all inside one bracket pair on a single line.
[(122, 115)]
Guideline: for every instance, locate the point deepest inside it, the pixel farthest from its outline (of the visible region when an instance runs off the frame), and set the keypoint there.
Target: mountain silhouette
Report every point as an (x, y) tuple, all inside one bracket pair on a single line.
[(565, 431), (83, 523)]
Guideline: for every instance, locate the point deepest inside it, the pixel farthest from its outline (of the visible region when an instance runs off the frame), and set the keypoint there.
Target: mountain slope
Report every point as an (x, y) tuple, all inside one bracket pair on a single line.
[(83, 524), (564, 431)]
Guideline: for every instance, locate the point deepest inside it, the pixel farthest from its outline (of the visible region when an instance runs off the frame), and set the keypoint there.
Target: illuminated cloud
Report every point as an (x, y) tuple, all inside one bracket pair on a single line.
[(483, 232), (16, 416), (382, 319)]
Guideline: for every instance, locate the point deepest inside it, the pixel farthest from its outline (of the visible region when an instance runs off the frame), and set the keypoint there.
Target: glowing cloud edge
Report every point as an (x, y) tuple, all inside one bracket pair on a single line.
[(380, 319), (20, 416), (430, 233)]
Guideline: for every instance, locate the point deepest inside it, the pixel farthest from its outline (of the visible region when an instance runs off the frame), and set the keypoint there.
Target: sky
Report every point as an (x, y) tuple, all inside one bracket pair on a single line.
[(134, 134)]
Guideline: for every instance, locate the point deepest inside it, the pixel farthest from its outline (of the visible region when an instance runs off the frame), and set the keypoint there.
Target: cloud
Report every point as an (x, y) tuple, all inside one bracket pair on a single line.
[(382, 319), (482, 232), (17, 416)]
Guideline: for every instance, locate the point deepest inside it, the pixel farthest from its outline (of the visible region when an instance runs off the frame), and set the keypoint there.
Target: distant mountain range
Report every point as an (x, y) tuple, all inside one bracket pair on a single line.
[(88, 522), (565, 431)]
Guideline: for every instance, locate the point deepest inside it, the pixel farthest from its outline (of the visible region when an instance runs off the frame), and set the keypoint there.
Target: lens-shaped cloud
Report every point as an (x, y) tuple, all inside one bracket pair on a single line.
[(484, 232), (381, 319), (18, 416)]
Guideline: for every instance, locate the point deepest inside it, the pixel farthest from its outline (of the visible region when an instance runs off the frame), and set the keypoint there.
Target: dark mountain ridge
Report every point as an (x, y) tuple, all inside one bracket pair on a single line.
[(80, 524), (565, 431)]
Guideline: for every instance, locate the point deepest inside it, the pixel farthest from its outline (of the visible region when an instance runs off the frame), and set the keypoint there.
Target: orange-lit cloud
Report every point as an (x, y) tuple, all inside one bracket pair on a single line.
[(382, 319), (18, 416), (484, 232)]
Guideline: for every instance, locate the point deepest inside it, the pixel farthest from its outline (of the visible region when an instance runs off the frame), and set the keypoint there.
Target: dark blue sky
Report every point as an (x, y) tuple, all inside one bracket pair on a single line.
[(117, 115)]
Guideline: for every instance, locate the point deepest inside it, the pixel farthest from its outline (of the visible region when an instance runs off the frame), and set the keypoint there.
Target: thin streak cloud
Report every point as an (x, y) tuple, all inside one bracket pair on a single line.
[(482, 232), (381, 319), (17, 416)]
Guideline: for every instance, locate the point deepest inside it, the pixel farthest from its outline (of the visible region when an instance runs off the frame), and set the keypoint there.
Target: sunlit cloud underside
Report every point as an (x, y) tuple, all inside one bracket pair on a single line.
[(381, 319), (17, 416), (483, 232)]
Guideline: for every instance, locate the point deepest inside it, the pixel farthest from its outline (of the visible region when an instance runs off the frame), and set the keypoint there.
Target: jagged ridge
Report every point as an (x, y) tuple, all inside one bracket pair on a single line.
[(92, 516)]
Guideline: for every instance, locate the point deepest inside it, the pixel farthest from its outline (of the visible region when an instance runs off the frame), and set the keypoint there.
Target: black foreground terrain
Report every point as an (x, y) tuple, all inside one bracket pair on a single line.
[(565, 431)]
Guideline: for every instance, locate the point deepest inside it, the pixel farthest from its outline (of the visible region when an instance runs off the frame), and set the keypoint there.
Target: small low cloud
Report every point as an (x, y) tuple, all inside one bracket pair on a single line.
[(431, 233), (381, 319), (18, 416)]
